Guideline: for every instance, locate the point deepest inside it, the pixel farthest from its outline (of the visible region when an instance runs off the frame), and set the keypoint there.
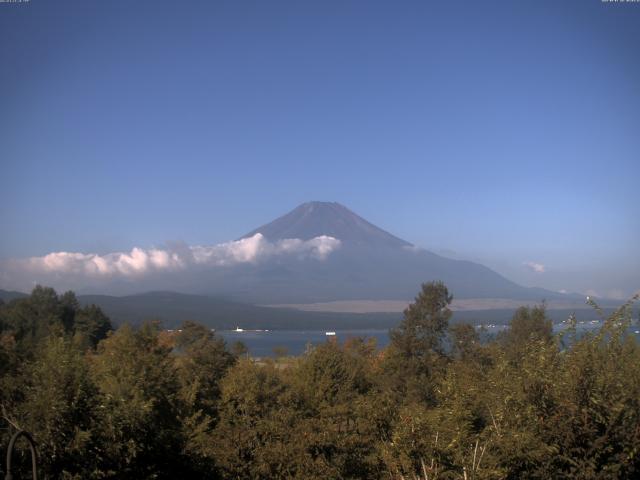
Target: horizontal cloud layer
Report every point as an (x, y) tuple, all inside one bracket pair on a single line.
[(139, 261)]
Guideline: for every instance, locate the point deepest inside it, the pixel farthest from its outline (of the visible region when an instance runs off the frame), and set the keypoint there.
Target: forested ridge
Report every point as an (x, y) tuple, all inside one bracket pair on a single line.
[(143, 403)]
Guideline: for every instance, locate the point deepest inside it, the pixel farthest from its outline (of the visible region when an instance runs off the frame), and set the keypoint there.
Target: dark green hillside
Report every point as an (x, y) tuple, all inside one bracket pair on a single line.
[(7, 295), (174, 308)]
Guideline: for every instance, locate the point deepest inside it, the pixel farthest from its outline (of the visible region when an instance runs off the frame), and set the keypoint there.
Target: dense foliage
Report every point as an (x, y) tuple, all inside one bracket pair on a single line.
[(436, 403)]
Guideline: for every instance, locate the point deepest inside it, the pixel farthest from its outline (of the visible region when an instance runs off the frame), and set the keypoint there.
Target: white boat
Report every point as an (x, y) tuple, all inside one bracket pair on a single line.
[(330, 334), (238, 329)]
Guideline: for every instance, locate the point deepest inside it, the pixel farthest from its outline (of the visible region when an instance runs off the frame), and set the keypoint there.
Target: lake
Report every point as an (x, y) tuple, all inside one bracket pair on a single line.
[(262, 343)]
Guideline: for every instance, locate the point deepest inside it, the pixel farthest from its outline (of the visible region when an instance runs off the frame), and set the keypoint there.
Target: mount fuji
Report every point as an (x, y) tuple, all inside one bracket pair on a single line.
[(320, 264), (370, 263), (319, 252)]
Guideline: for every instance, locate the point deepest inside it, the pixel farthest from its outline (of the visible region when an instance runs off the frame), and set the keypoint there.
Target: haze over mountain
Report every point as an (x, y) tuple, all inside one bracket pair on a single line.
[(318, 252), (370, 263)]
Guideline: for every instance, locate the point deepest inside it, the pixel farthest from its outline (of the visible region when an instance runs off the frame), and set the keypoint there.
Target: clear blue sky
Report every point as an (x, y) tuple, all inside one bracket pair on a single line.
[(499, 131)]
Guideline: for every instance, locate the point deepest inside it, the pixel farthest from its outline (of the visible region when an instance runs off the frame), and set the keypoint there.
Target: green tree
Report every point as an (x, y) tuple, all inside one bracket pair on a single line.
[(33, 318), (28, 320), (68, 304), (527, 325), (91, 325), (425, 322), (202, 361), (415, 360), (331, 387), (59, 409), (139, 404), (465, 341), (253, 436)]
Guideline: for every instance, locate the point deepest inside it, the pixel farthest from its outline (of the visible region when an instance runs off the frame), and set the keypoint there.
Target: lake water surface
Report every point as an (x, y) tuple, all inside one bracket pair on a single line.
[(262, 343)]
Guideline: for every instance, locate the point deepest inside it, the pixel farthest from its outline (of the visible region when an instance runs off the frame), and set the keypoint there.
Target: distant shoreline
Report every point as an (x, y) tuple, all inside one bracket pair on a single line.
[(398, 306)]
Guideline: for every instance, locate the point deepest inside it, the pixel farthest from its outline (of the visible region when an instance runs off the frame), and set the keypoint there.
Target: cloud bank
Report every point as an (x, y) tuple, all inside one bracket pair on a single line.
[(140, 262), (535, 267)]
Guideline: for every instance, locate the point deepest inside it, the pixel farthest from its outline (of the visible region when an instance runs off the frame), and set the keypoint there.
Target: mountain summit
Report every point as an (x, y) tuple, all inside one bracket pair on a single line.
[(313, 219)]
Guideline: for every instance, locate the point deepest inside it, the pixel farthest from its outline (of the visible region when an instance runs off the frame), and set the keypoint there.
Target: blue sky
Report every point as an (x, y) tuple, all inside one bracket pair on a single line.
[(498, 131)]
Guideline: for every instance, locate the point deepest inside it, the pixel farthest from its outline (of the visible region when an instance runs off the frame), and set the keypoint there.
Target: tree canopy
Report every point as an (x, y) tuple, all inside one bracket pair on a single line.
[(437, 402)]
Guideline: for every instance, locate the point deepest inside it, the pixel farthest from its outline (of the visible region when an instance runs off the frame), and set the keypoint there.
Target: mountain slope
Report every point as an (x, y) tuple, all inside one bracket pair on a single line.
[(360, 273), (289, 264), (371, 264)]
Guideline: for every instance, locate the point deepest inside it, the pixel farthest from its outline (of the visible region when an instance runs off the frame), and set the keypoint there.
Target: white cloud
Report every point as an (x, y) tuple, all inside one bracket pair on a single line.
[(535, 267), (256, 248), (139, 261)]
